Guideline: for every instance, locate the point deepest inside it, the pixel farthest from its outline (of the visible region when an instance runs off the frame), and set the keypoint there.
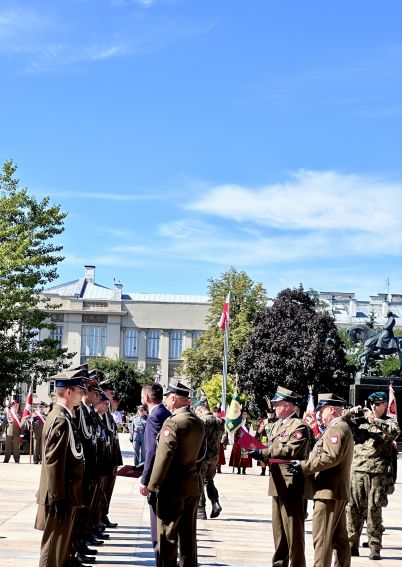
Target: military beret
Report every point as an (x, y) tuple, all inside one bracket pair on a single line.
[(378, 397), (285, 395), (329, 399)]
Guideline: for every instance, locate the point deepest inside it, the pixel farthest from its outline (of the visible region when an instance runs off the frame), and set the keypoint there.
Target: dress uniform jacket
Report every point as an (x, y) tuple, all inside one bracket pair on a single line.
[(12, 438), (175, 477), (61, 480), (329, 466)]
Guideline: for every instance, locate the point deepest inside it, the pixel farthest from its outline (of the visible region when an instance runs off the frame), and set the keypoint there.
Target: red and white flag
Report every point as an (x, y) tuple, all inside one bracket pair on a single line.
[(310, 416), (28, 404), (392, 409), (225, 317)]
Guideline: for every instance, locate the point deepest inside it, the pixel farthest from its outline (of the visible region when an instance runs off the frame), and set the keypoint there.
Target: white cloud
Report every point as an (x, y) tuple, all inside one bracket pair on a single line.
[(310, 200)]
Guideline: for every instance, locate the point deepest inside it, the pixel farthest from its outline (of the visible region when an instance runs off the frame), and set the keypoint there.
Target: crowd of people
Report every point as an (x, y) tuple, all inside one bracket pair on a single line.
[(347, 470)]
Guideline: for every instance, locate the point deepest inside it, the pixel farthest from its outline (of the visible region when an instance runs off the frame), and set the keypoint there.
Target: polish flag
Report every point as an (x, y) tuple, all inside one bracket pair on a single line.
[(28, 404), (310, 416), (225, 317), (392, 411)]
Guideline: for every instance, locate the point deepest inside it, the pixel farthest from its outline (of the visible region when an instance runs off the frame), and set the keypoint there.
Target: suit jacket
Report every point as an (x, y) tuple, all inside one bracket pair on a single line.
[(175, 471), (289, 439), (86, 428), (154, 423), (330, 462), (62, 473)]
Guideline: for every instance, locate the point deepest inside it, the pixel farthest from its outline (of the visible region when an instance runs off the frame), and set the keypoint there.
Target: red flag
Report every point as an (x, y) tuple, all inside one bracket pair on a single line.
[(392, 410), (225, 317), (28, 404), (310, 416), (248, 442)]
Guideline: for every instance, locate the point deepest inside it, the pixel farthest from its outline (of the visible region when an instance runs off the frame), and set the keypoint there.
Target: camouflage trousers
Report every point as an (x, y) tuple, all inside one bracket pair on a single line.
[(368, 497), (207, 475)]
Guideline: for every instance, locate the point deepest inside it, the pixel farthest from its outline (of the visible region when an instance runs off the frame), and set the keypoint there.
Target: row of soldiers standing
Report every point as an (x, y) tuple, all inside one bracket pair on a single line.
[(81, 453)]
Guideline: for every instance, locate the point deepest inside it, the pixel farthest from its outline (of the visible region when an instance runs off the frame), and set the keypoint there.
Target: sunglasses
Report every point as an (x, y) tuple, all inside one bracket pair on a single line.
[(378, 403)]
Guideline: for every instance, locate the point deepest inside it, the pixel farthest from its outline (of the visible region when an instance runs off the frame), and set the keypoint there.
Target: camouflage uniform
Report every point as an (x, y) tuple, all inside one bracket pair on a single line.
[(371, 479), (214, 428)]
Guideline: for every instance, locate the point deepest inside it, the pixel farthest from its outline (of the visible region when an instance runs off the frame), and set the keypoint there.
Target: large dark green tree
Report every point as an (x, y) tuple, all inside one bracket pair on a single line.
[(28, 260), (289, 347), (247, 298), (126, 378)]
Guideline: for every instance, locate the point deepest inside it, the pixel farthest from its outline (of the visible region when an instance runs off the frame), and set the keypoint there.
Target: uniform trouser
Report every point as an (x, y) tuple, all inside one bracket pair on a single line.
[(37, 449), (12, 447), (56, 545), (329, 533), (139, 449), (288, 531), (368, 497), (207, 475), (108, 492), (177, 530)]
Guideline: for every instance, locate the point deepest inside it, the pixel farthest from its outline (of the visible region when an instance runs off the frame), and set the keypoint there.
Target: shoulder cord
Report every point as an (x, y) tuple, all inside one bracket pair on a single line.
[(205, 452), (83, 423), (78, 454)]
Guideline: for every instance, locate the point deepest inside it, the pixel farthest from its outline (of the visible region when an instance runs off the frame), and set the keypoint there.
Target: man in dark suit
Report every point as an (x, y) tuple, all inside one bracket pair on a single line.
[(151, 399)]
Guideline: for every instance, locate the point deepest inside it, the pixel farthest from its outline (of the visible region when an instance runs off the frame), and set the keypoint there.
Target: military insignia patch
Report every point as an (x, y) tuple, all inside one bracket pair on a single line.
[(166, 432), (298, 435), (334, 439)]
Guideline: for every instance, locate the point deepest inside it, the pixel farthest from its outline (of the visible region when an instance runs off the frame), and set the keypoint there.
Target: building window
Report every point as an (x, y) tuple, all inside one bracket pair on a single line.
[(57, 335), (57, 317), (130, 343), (195, 335), (93, 341), (175, 344), (153, 338), (94, 319)]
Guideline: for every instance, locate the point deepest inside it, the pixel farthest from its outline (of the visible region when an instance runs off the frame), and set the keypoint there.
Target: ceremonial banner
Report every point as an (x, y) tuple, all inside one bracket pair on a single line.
[(310, 416), (225, 317), (233, 418), (248, 442), (392, 409), (28, 405)]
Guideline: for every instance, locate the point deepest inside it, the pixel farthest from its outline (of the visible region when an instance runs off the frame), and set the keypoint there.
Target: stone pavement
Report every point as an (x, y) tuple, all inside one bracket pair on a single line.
[(240, 537)]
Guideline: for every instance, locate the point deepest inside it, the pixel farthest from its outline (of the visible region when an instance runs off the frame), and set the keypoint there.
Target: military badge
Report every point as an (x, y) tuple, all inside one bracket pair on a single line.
[(334, 439), (298, 435), (166, 432)]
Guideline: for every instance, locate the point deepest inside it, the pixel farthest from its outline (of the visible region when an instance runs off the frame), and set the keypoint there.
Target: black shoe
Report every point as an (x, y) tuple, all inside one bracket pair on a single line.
[(244, 471), (100, 535), (216, 510), (201, 514), (110, 524), (238, 471), (354, 551), (85, 550), (374, 553), (262, 473), (92, 540), (365, 544), (86, 559)]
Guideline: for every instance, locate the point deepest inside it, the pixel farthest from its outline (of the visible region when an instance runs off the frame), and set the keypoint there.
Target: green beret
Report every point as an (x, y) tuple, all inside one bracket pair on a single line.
[(378, 397)]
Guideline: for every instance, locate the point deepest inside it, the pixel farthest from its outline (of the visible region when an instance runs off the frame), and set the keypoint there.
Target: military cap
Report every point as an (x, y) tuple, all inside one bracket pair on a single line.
[(377, 397), (285, 395), (138, 407), (103, 397), (329, 399), (107, 385), (177, 387), (83, 368), (93, 385), (69, 378), (44, 404)]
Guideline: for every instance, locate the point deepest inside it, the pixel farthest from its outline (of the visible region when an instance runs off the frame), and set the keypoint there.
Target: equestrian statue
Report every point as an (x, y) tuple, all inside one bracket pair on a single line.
[(376, 343)]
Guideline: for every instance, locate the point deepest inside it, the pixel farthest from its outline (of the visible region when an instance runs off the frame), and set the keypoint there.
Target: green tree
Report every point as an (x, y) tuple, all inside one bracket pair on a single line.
[(125, 377), (213, 390), (205, 359), (289, 348), (28, 260)]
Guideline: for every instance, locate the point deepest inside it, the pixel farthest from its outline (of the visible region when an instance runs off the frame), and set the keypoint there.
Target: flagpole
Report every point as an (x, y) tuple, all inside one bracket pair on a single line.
[(225, 366)]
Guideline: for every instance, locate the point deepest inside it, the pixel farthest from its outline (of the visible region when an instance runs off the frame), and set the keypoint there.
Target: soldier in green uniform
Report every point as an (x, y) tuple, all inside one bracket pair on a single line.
[(214, 429), (289, 439), (60, 492), (38, 421), (328, 468), (372, 478), (13, 432), (175, 479)]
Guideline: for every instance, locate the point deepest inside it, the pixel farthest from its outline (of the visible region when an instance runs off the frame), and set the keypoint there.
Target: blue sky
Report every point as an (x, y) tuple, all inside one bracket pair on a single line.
[(183, 137)]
